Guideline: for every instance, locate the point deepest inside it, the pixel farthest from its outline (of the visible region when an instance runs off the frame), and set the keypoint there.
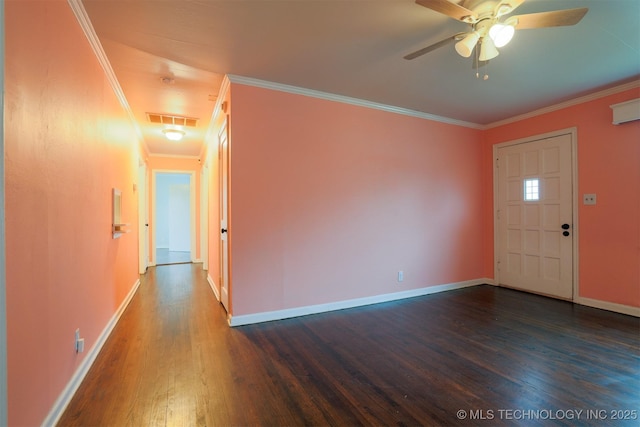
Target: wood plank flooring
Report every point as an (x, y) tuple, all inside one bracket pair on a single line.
[(165, 256), (503, 357)]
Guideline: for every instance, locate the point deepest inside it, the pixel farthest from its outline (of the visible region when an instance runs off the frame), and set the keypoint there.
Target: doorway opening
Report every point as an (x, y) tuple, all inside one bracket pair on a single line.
[(173, 214)]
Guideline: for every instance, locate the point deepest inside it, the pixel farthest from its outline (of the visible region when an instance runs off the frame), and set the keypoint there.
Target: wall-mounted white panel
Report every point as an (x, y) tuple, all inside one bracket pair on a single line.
[(626, 111)]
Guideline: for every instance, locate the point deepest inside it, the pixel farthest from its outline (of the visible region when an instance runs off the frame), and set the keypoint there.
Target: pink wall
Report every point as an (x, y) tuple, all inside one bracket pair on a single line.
[(68, 143), (608, 165), (331, 200), (181, 164)]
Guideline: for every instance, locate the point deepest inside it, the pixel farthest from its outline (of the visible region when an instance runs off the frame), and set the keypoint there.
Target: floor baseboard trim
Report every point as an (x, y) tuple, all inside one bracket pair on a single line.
[(213, 287), (610, 306), (72, 386), (248, 319)]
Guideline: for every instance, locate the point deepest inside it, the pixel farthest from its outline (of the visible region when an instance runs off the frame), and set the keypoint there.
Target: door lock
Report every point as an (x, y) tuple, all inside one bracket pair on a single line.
[(224, 230)]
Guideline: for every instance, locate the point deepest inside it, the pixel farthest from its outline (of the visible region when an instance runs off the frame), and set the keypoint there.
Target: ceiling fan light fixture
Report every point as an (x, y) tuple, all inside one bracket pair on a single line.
[(173, 134), (501, 34), (465, 46), (488, 50)]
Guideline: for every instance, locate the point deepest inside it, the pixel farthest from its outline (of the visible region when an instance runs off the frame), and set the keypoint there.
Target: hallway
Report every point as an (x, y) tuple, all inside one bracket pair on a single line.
[(172, 360)]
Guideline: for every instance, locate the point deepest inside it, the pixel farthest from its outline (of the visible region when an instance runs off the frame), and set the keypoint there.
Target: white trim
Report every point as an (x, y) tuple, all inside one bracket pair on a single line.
[(213, 286), (212, 130), (178, 156), (610, 306), (248, 81), (204, 215), (72, 386), (143, 215), (574, 198), (570, 103), (268, 316), (399, 110), (192, 210), (87, 28)]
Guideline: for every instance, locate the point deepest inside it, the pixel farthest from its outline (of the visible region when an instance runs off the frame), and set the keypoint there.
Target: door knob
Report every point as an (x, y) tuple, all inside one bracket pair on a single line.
[(565, 226), (224, 230), (565, 233)]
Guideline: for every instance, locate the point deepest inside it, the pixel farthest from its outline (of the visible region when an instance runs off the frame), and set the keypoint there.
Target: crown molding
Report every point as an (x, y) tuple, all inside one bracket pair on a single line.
[(211, 131), (570, 103), (248, 81), (174, 156), (87, 28)]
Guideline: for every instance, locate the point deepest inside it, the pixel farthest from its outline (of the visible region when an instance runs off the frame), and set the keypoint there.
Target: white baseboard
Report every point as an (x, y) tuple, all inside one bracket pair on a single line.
[(610, 306), (268, 316), (213, 287), (72, 386)]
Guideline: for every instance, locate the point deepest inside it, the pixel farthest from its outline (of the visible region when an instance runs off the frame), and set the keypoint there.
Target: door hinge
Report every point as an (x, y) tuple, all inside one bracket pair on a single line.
[(498, 214), (498, 265)]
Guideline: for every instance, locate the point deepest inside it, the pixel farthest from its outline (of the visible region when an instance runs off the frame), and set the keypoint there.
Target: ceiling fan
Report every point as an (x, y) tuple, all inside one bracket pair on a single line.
[(490, 26)]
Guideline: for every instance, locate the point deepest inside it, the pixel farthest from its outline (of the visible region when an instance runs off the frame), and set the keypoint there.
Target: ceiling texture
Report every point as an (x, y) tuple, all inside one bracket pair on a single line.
[(170, 57)]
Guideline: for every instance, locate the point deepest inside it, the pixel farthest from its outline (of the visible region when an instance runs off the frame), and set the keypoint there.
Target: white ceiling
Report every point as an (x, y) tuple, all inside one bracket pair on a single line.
[(353, 48)]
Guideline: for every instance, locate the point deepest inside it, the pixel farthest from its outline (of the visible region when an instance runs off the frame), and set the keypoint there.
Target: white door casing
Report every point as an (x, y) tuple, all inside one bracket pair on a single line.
[(143, 219), (224, 216), (536, 232), (192, 210), (204, 216)]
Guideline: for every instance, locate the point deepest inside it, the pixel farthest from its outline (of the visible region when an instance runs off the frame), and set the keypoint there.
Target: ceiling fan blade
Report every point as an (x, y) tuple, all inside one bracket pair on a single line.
[(432, 47), (556, 18), (452, 10)]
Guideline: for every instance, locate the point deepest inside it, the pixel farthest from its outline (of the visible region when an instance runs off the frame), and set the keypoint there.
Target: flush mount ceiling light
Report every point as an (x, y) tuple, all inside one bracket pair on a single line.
[(489, 28), (173, 134)]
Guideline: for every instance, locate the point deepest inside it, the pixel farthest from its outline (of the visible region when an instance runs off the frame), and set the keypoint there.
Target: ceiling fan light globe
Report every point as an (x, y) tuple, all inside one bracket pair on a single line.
[(465, 46), (488, 50), (501, 34)]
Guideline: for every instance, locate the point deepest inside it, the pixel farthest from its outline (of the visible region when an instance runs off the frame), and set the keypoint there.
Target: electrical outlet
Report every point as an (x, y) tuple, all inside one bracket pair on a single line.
[(588, 199), (400, 276)]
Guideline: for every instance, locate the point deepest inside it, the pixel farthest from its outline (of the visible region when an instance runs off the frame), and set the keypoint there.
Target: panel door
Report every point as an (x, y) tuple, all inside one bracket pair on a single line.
[(534, 216), (224, 217)]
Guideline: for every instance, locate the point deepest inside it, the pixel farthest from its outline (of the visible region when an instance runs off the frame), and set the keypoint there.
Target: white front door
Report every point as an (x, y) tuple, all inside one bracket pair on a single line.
[(224, 217), (535, 216)]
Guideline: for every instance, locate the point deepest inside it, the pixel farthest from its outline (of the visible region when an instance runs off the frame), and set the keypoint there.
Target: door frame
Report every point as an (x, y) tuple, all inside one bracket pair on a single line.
[(192, 209), (225, 266), (573, 133), (143, 217), (204, 215)]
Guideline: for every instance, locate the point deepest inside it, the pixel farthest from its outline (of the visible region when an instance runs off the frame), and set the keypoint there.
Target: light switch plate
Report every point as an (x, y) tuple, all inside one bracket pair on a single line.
[(589, 199)]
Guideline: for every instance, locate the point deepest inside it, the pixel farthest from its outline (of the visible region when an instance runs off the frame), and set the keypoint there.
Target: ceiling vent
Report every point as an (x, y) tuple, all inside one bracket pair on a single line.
[(164, 119)]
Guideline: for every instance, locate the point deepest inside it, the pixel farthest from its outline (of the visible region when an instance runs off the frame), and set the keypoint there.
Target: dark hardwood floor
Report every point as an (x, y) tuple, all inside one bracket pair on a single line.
[(499, 356)]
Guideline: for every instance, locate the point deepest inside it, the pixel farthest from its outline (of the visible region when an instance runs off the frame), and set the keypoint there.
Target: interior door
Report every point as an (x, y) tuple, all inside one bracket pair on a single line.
[(224, 217), (143, 220), (204, 216), (534, 216)]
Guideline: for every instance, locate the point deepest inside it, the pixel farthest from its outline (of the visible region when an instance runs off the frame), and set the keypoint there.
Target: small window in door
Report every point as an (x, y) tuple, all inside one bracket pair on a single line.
[(531, 189)]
